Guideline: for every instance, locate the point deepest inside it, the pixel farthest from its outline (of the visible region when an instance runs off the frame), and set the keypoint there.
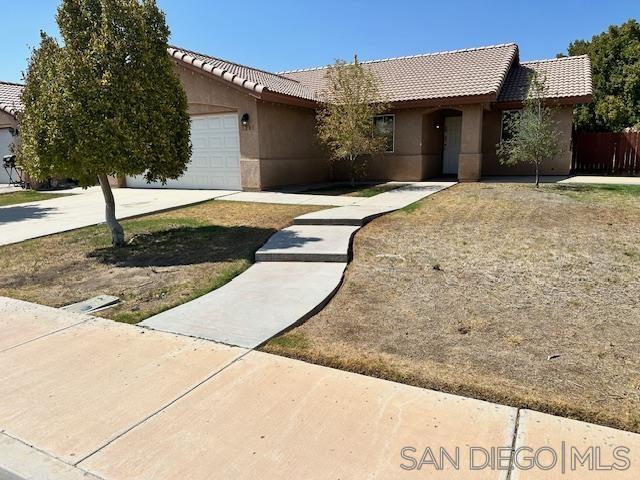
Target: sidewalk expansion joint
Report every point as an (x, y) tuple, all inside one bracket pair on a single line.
[(164, 407), (514, 440), (44, 335)]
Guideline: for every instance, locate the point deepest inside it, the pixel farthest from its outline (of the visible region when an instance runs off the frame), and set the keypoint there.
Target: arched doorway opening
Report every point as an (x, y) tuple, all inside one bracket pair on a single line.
[(441, 136)]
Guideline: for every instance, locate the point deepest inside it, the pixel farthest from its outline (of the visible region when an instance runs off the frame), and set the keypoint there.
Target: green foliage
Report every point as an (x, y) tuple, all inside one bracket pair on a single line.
[(351, 101), (615, 59), (532, 135), (106, 101)]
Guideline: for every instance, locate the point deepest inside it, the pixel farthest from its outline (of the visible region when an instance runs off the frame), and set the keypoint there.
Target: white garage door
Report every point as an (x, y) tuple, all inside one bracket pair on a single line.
[(215, 159), (6, 139)]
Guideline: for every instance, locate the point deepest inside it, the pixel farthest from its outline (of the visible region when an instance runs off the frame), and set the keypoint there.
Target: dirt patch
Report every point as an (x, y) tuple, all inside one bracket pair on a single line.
[(502, 292), (171, 258)]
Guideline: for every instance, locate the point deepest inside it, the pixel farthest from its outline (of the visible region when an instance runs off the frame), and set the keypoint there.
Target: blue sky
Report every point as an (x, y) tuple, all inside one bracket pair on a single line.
[(285, 34)]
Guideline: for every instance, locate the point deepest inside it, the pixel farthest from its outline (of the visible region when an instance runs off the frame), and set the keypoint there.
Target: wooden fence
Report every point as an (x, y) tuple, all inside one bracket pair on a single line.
[(606, 153)]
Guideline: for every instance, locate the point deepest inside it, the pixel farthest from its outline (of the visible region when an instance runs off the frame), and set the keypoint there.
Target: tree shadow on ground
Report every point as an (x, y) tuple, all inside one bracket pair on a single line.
[(186, 246), (18, 213), (289, 239)]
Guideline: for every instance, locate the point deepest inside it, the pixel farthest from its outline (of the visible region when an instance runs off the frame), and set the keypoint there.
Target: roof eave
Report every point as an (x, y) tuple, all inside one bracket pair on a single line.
[(446, 101), (572, 100), (215, 71), (9, 110), (270, 96)]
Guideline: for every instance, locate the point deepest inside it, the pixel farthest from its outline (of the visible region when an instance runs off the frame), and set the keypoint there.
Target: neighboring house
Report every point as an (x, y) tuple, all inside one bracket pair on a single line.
[(255, 130), (9, 107)]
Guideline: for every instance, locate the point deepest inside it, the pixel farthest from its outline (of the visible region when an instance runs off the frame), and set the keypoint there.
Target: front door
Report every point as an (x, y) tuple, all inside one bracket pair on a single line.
[(451, 145)]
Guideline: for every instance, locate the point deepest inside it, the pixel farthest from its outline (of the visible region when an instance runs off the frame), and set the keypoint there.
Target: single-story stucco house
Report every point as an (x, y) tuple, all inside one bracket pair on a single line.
[(255, 130)]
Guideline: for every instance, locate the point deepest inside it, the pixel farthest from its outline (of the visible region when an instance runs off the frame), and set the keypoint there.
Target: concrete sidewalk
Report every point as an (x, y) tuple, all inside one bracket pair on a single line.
[(100, 400), (35, 219), (601, 180)]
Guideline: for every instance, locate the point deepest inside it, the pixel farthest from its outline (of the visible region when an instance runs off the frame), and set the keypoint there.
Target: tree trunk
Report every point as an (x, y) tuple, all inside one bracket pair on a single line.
[(537, 175), (117, 233)]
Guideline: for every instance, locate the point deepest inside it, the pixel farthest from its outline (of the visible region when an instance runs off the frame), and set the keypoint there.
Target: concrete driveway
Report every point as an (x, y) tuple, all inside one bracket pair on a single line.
[(86, 207)]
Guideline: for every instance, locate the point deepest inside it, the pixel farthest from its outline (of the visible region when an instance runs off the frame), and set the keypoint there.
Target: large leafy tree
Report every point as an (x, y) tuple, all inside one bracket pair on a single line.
[(615, 59), (531, 134), (351, 100), (105, 101)]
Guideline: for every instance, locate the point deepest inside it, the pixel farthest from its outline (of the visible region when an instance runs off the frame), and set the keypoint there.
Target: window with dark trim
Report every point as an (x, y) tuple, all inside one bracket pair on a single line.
[(385, 125), (509, 120)]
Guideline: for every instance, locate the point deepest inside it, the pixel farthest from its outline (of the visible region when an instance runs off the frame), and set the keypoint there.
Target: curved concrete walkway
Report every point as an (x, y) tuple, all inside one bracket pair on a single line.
[(297, 271)]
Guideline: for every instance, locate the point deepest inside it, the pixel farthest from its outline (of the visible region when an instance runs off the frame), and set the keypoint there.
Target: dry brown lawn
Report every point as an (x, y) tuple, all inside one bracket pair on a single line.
[(501, 292), (171, 257)]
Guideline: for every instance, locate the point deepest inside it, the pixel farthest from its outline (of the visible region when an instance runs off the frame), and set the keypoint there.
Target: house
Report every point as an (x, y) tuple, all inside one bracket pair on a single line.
[(9, 107), (255, 130)]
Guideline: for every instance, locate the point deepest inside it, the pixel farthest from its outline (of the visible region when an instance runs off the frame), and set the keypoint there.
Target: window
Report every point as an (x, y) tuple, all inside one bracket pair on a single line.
[(385, 126), (509, 121)]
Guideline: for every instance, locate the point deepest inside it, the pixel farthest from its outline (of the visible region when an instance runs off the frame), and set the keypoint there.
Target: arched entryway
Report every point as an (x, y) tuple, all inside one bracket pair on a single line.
[(441, 139)]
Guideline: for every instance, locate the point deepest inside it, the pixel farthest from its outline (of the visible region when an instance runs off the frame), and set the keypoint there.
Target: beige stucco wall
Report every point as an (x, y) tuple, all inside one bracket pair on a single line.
[(290, 153), (7, 120), (417, 148), (417, 151), (559, 165), (418, 145)]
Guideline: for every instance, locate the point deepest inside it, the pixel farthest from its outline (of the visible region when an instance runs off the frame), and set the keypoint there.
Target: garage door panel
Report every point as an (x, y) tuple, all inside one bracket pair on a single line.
[(218, 161), (229, 142), (229, 162), (215, 158), (215, 142), (229, 122)]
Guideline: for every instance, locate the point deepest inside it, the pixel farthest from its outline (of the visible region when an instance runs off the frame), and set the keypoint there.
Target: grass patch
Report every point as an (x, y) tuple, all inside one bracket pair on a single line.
[(533, 303), (357, 190), (412, 207), (27, 196), (170, 258), (596, 192), (289, 342)]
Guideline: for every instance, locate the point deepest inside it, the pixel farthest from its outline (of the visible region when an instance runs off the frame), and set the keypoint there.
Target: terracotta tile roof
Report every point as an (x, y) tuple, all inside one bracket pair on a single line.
[(460, 73), (10, 98), (241, 75), (565, 77)]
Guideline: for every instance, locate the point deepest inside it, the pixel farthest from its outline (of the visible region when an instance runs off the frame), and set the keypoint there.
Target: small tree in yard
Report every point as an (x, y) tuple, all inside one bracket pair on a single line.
[(351, 101), (106, 102), (532, 136)]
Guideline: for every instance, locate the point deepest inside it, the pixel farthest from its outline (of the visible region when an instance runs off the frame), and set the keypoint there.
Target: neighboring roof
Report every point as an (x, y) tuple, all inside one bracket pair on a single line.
[(566, 77), (247, 77), (459, 73), (10, 98)]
